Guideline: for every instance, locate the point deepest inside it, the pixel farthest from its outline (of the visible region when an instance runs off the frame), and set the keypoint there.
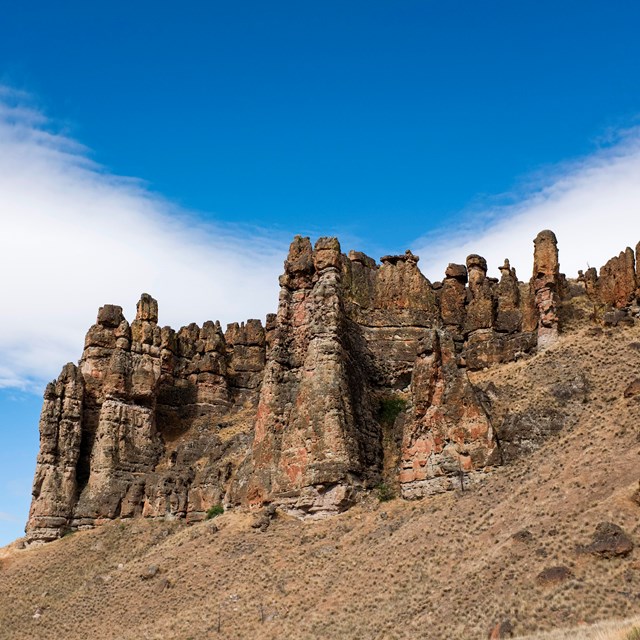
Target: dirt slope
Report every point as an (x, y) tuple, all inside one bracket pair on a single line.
[(443, 567)]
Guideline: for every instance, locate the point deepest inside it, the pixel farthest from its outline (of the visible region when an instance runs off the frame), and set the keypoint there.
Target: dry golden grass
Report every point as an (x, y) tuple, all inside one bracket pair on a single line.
[(446, 567), (610, 630)]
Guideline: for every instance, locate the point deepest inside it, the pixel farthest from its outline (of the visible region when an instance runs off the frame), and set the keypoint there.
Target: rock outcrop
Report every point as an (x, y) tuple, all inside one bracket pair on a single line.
[(545, 286), (448, 439), (615, 291), (359, 379), (314, 438), (145, 424)]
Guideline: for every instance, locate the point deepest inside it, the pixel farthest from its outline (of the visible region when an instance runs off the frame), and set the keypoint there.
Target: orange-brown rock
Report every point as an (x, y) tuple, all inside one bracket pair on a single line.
[(501, 630), (617, 280), (360, 377), (314, 441), (545, 285), (481, 308), (633, 389), (609, 541), (638, 270), (591, 283), (509, 314), (55, 484), (448, 439), (453, 296), (112, 429)]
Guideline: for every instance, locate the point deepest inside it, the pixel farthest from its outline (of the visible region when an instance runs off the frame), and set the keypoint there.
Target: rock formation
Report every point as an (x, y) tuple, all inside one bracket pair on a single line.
[(545, 286), (448, 439), (616, 286), (145, 423), (359, 379), (314, 438)]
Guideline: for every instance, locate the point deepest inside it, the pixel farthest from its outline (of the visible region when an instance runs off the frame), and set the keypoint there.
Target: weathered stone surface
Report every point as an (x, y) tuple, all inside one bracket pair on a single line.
[(545, 285), (112, 428), (554, 575), (246, 349), (365, 260), (521, 433), (500, 630), (591, 283), (453, 296), (360, 377), (509, 314), (524, 535), (608, 541), (633, 389), (56, 479), (457, 271), (638, 270), (485, 347), (617, 280), (481, 308), (448, 438), (401, 286), (313, 427), (299, 264), (616, 317), (615, 293)]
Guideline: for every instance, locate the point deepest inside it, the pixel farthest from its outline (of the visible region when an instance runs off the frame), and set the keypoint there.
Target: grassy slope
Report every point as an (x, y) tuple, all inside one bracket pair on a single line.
[(446, 567)]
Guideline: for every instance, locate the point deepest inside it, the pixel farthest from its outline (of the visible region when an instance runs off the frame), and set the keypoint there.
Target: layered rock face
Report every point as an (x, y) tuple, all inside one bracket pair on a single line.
[(359, 379), (314, 434), (145, 424), (617, 286)]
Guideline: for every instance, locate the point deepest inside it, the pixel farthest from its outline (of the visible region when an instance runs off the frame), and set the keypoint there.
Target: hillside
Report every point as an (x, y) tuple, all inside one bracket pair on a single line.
[(452, 565)]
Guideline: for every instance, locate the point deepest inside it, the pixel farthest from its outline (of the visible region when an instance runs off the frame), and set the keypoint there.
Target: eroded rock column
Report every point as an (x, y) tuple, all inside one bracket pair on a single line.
[(545, 287), (308, 449), (55, 482)]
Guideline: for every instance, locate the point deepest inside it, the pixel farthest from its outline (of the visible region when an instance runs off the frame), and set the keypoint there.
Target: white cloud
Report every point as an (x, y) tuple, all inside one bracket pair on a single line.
[(593, 206), (74, 237)]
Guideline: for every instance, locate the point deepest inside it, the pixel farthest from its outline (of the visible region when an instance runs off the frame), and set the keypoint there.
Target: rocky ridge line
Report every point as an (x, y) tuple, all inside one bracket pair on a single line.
[(359, 379)]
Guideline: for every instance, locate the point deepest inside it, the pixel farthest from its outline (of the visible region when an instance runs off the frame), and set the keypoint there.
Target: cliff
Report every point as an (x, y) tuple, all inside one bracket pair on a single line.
[(361, 379)]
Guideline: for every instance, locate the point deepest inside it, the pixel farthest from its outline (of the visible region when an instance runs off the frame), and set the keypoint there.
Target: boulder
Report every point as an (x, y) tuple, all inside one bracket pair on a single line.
[(609, 541)]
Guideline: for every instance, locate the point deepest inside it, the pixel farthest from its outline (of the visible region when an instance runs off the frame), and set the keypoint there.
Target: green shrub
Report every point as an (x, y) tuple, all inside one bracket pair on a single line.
[(214, 511), (634, 634), (390, 408), (385, 492)]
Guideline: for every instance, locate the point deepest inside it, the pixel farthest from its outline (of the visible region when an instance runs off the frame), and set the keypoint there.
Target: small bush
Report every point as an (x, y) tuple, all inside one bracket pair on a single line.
[(390, 408), (385, 493), (214, 511)]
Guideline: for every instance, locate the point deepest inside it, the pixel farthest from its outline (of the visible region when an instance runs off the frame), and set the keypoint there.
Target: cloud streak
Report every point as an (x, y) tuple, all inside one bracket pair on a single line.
[(592, 204), (8, 518), (74, 237)]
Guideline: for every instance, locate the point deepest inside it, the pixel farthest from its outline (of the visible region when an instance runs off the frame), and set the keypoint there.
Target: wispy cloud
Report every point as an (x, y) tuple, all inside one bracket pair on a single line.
[(8, 517), (73, 237), (592, 204)]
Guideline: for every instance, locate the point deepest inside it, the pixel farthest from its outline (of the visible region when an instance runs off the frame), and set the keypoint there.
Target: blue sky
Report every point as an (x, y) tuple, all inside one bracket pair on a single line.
[(177, 148)]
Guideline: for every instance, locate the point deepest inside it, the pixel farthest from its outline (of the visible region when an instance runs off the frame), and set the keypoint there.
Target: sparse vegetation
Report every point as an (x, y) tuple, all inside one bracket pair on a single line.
[(214, 511), (390, 408), (384, 492), (448, 566)]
